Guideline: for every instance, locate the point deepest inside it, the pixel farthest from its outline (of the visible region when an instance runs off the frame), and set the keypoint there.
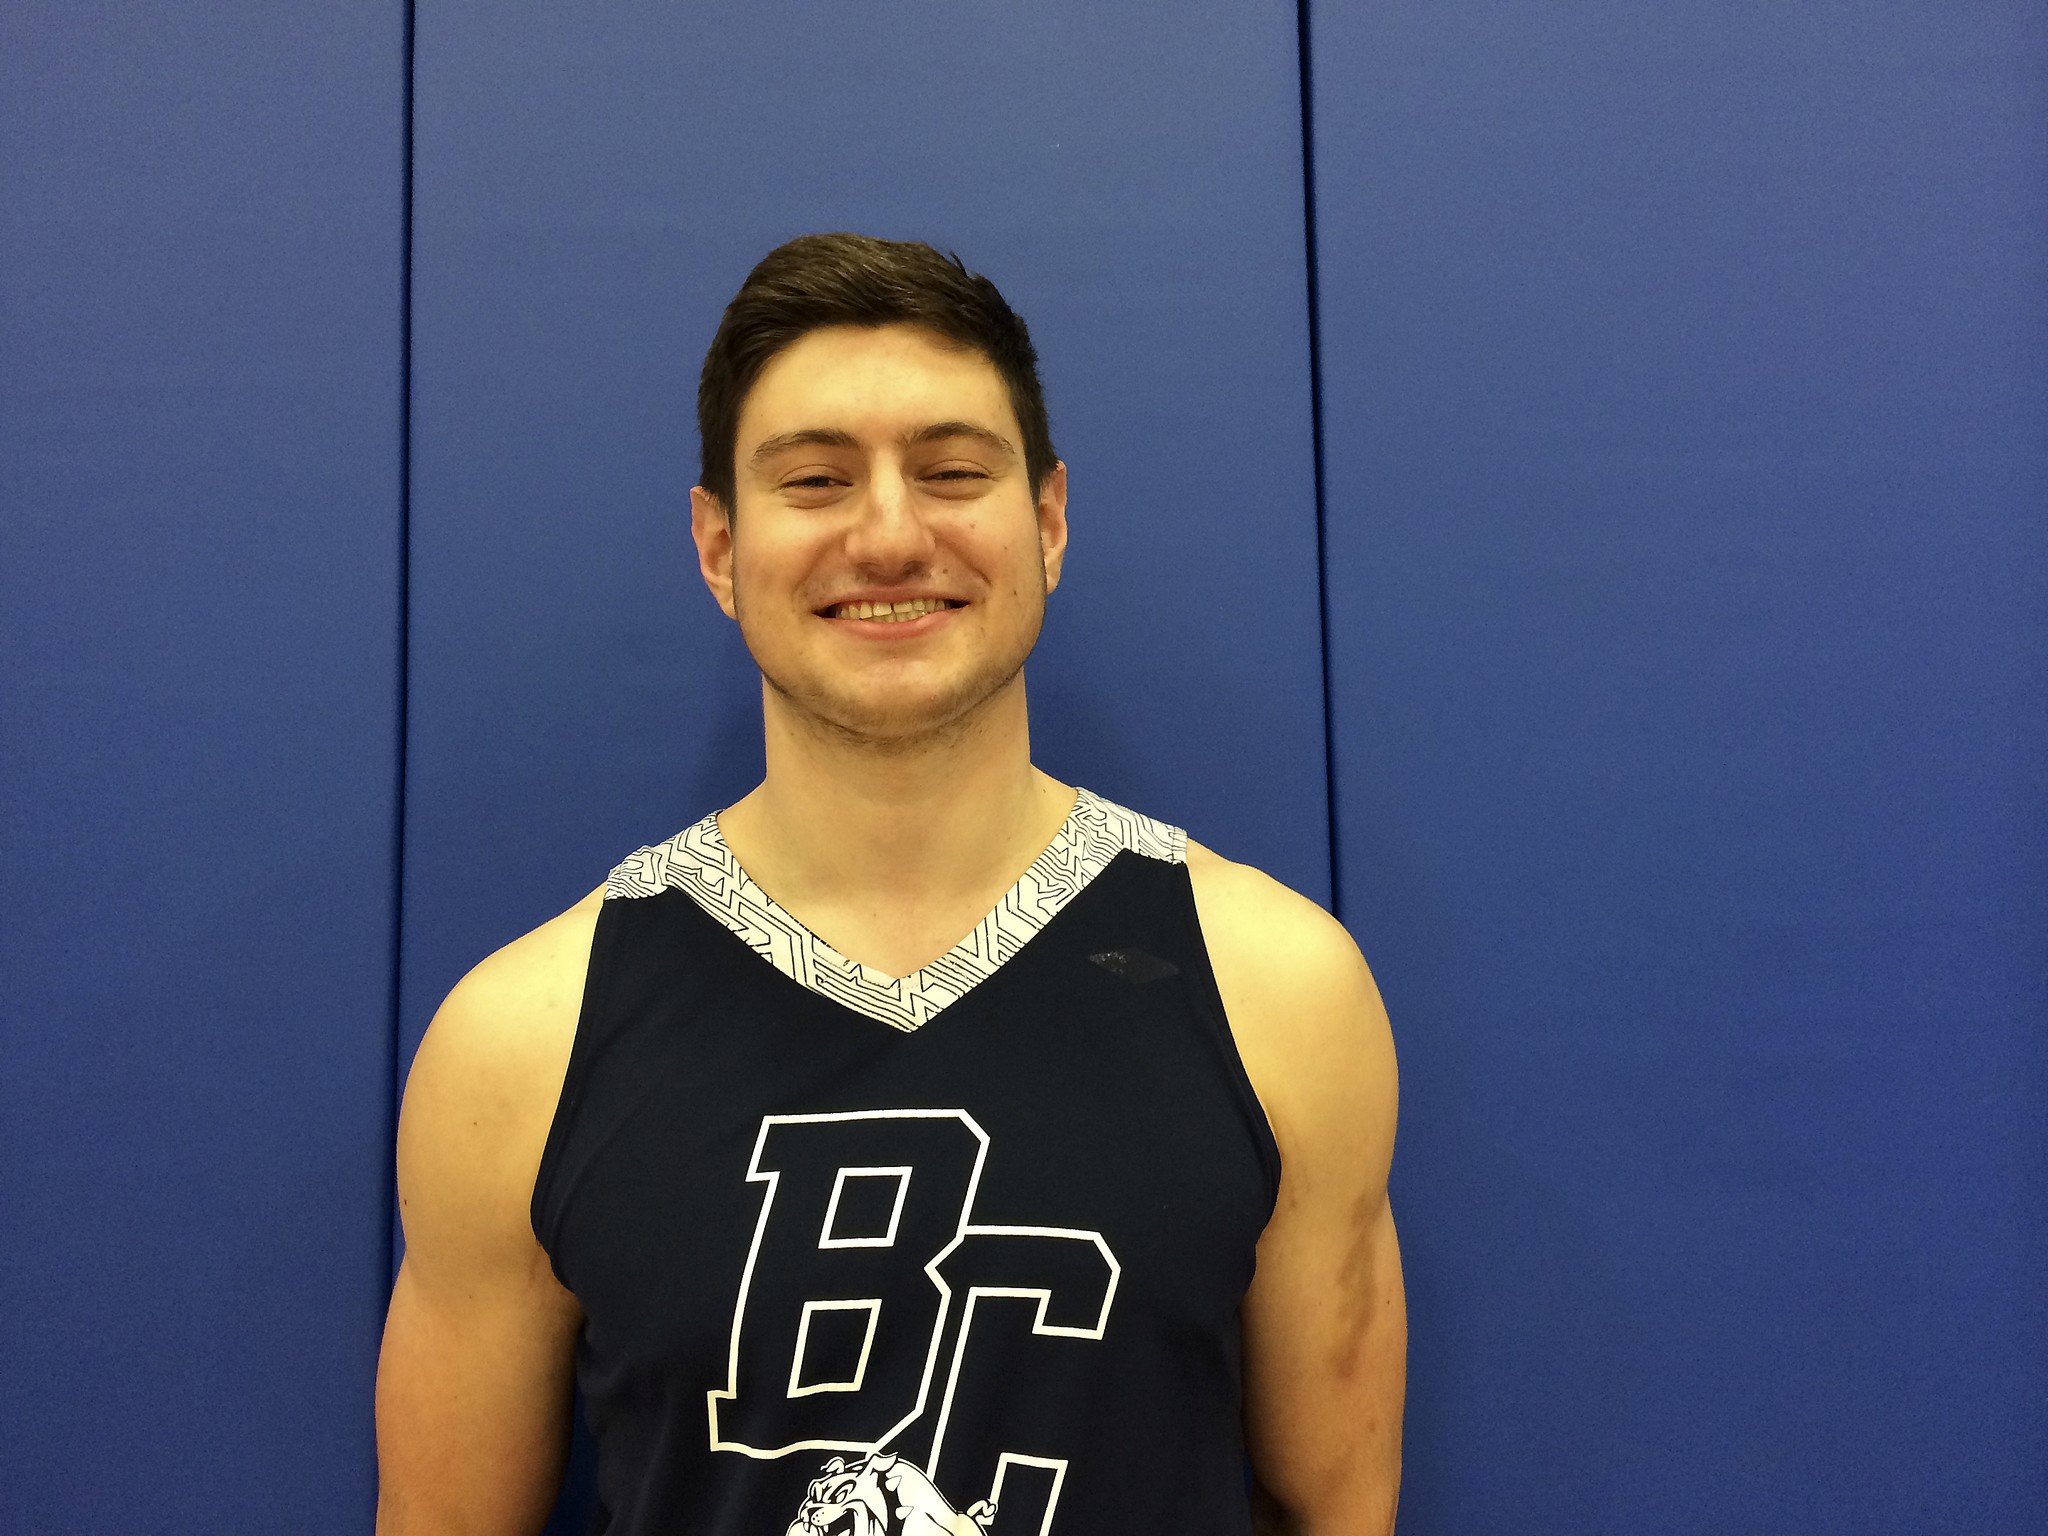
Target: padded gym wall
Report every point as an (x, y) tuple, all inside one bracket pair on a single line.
[(1682, 372), (200, 396), (592, 184)]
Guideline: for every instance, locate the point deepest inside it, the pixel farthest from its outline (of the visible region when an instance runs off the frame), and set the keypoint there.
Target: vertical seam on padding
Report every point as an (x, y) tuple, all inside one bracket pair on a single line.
[(402, 679), (1315, 398)]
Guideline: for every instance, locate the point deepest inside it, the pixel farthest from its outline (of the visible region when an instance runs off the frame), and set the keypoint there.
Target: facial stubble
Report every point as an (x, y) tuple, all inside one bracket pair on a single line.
[(842, 718)]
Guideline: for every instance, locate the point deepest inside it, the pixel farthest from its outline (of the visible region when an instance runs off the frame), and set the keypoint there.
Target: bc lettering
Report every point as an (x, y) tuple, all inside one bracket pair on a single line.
[(875, 1317)]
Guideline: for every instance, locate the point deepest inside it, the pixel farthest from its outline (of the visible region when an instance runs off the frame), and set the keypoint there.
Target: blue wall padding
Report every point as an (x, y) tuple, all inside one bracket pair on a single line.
[(588, 197), (1681, 382), (1682, 375), (199, 535)]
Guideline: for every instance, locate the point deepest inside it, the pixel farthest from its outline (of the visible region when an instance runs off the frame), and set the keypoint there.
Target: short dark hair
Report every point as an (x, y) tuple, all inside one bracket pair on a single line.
[(819, 280)]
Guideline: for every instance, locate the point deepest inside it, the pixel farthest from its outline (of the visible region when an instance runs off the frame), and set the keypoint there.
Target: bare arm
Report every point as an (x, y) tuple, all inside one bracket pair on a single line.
[(1325, 1323), (474, 1381)]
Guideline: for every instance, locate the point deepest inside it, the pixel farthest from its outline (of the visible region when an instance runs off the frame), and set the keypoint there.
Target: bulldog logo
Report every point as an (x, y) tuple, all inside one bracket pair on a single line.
[(883, 1496)]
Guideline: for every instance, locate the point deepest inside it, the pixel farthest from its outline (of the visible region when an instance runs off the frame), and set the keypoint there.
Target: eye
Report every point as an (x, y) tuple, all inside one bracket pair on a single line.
[(812, 488), (956, 480)]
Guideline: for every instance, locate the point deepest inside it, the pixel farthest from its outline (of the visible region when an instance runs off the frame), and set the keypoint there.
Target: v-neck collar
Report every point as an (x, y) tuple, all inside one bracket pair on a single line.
[(697, 862)]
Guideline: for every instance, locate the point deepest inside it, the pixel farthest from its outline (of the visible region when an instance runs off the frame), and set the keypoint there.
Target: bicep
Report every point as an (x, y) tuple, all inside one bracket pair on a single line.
[(1325, 1330), (1325, 1327), (474, 1379), (473, 1401)]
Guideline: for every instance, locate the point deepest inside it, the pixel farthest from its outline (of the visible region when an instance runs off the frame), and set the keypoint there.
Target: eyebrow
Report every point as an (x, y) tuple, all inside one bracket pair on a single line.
[(831, 437), (938, 431)]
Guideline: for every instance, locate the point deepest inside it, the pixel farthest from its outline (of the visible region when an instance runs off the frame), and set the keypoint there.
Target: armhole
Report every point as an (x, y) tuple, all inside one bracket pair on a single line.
[(1210, 997), (545, 1207)]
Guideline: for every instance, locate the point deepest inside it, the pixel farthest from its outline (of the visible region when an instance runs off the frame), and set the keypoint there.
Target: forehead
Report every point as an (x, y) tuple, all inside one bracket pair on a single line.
[(874, 379)]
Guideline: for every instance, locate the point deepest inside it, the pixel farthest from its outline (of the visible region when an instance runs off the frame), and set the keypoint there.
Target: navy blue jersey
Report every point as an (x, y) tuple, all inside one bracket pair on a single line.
[(954, 1254)]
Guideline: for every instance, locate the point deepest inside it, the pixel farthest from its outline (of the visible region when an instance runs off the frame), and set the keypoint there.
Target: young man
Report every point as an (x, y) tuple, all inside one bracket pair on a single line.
[(918, 1145)]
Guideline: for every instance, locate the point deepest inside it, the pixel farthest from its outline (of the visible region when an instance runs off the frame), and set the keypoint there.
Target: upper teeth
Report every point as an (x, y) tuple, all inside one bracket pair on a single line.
[(890, 613)]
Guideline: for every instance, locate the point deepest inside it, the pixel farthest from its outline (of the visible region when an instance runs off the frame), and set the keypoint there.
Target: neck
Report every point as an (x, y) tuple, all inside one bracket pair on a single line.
[(903, 826)]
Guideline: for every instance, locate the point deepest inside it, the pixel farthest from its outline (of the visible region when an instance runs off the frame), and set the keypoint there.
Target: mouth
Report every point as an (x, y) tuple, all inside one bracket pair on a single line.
[(901, 612)]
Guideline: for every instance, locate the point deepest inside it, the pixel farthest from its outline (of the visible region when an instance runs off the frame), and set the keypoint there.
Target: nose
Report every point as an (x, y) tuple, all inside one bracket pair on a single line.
[(890, 534)]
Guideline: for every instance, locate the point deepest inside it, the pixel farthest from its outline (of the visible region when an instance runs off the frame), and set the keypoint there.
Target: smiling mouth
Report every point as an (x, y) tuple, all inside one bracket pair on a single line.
[(890, 613)]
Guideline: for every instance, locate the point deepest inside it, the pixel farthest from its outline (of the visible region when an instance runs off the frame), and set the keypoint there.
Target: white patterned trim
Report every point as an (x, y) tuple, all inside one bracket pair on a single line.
[(697, 862)]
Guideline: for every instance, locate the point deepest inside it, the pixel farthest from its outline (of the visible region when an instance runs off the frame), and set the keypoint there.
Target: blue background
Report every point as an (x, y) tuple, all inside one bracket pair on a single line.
[(1562, 482)]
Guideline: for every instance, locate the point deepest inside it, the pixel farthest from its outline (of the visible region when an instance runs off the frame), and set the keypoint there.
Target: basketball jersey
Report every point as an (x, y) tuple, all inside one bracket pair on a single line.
[(953, 1254)]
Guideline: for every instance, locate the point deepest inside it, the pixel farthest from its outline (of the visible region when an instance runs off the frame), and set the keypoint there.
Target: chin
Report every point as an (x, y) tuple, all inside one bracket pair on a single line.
[(896, 719)]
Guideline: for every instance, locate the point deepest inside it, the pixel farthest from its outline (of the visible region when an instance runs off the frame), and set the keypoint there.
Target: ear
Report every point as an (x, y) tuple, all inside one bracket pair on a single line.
[(1052, 523), (711, 529)]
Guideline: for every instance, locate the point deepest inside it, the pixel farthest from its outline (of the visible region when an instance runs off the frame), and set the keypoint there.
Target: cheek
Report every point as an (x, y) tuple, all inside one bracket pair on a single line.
[(764, 567), (1011, 562)]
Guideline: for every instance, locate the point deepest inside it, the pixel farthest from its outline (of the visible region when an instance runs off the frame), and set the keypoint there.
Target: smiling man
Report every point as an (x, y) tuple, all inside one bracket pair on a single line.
[(918, 1145)]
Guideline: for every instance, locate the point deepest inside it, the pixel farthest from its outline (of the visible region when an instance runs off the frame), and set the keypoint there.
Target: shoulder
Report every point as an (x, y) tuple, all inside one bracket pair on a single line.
[(516, 1006), (1278, 956), (1303, 1008), (481, 1094), (1253, 922)]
